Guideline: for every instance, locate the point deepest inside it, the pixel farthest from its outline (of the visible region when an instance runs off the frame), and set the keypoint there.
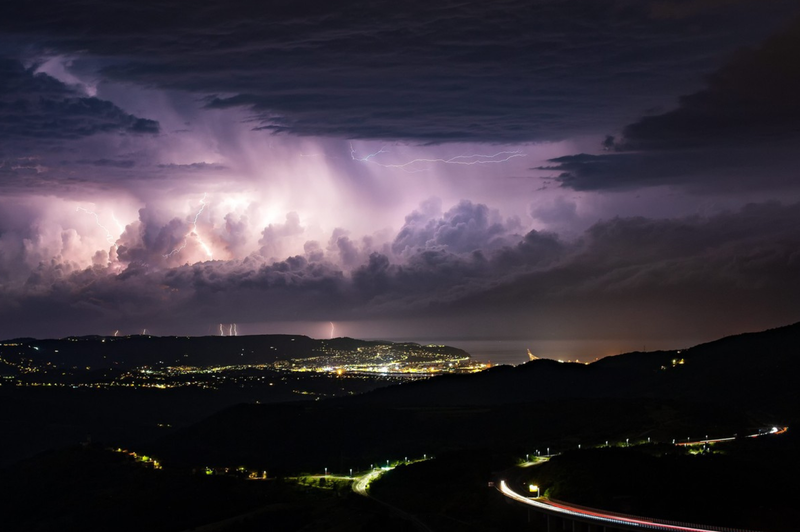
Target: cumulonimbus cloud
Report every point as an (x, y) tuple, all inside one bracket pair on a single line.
[(631, 268)]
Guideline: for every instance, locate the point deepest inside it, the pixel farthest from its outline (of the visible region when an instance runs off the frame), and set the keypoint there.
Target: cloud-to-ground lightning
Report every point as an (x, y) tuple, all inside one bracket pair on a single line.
[(109, 237), (231, 330), (333, 329), (193, 232), (116, 332), (466, 159)]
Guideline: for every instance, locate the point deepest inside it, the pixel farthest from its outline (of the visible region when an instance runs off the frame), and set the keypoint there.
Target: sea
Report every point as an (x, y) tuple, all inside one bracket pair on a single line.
[(515, 352)]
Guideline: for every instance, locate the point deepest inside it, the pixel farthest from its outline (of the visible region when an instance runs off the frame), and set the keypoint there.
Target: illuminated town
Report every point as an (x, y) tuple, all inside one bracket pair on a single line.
[(27, 364)]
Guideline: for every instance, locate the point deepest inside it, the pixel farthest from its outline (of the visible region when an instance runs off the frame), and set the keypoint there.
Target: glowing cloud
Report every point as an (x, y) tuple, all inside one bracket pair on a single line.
[(193, 232), (109, 238)]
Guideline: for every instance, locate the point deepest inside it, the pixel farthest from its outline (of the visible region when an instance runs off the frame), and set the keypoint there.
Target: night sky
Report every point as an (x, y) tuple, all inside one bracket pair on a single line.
[(528, 169)]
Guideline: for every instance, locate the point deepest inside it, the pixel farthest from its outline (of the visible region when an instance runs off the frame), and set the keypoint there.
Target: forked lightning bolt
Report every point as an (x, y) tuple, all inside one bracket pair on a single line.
[(109, 238), (193, 232), (466, 160)]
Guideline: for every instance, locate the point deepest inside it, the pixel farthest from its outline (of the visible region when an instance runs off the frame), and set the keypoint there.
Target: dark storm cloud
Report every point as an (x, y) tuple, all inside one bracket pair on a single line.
[(109, 163), (507, 71), (742, 265), (35, 107), (743, 128)]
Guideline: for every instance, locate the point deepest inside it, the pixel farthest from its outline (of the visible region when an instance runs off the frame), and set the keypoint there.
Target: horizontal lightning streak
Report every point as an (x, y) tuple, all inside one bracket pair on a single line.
[(466, 159)]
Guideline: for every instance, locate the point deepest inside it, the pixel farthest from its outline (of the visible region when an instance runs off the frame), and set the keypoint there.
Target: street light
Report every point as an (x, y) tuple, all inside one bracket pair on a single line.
[(532, 488), (626, 443), (526, 457), (326, 471), (351, 471)]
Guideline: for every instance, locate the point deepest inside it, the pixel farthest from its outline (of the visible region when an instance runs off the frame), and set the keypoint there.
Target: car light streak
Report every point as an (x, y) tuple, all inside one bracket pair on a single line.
[(771, 432), (597, 515)]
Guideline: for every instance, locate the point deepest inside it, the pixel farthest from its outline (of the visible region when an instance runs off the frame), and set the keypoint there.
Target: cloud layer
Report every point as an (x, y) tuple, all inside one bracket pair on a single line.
[(37, 106), (742, 129), (185, 165), (623, 274), (498, 72)]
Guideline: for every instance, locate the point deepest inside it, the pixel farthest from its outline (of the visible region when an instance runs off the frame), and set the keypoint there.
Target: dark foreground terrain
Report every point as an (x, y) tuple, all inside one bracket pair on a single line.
[(476, 426)]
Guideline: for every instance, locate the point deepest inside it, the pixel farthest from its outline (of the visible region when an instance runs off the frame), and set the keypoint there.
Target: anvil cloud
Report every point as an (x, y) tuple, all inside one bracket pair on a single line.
[(560, 169)]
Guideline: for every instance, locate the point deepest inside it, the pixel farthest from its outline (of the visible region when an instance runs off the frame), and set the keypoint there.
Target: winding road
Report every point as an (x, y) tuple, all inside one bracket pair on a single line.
[(361, 487), (626, 522)]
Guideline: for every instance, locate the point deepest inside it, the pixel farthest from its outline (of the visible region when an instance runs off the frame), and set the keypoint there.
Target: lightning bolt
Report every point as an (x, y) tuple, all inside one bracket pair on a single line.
[(235, 332), (466, 160), (109, 237), (116, 332), (332, 328), (221, 330), (368, 157), (144, 331), (193, 232), (119, 225)]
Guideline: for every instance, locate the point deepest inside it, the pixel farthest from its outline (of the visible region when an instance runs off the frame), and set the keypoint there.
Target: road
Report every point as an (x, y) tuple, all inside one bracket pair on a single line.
[(773, 431), (361, 486), (629, 521), (599, 516)]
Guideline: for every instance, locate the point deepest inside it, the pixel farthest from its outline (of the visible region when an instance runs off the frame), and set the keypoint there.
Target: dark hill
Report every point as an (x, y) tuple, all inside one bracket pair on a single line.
[(756, 369), (143, 350), (720, 388)]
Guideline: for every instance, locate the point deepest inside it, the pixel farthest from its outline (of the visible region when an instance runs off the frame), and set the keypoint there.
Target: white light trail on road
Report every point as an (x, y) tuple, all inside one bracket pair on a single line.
[(597, 515)]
